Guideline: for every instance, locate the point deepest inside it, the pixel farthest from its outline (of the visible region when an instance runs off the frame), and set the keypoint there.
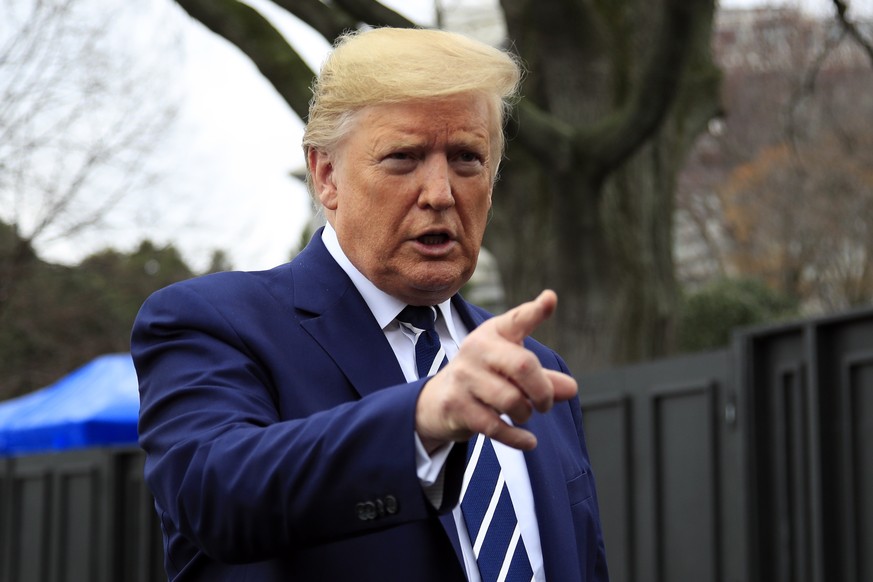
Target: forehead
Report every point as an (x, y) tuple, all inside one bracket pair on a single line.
[(462, 117)]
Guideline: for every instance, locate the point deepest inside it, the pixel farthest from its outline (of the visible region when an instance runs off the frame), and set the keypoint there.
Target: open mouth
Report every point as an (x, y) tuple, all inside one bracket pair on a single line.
[(433, 239)]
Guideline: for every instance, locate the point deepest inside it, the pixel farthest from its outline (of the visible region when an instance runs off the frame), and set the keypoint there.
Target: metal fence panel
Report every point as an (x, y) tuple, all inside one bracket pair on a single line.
[(753, 463), (782, 455), (56, 518), (664, 439), (78, 515), (810, 390), (843, 373), (140, 551)]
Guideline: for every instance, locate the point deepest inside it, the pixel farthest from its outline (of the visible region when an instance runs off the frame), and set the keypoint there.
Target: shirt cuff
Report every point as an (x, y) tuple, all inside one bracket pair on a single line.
[(430, 470)]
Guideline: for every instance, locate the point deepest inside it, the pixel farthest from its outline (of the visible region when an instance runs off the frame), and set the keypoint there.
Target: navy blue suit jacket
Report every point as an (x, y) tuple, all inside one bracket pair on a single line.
[(278, 429)]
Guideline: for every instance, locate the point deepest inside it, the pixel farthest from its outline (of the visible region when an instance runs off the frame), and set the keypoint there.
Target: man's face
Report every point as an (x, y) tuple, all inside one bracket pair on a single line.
[(408, 192)]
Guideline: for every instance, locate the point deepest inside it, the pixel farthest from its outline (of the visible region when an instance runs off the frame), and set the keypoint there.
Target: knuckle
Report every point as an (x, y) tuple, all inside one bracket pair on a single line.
[(452, 408), (511, 401), (525, 365), (466, 375)]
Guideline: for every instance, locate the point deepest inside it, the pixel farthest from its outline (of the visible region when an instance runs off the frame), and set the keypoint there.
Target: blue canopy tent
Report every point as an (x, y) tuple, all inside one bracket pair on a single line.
[(95, 405)]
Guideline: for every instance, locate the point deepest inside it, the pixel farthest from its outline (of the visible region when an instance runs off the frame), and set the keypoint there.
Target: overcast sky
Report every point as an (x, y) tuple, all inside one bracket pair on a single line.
[(227, 161)]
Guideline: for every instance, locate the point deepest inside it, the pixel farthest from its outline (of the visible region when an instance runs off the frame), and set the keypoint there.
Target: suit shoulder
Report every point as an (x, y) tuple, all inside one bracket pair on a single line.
[(227, 284), (236, 294)]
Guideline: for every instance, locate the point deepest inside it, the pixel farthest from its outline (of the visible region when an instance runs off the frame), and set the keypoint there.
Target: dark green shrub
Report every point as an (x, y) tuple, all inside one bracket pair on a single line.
[(708, 316)]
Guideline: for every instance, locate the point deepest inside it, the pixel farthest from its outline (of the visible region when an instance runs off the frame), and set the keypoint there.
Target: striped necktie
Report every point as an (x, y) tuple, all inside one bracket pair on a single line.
[(490, 517), (485, 503), (429, 353)]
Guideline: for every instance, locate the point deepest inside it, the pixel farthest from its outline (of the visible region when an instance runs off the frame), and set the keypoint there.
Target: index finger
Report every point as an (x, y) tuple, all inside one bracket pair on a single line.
[(518, 323)]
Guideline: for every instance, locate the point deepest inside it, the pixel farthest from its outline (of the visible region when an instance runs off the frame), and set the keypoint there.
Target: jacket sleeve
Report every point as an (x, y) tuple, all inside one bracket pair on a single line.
[(238, 476)]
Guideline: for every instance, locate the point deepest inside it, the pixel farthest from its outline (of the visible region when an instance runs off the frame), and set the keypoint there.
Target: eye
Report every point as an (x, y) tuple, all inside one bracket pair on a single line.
[(469, 157), (399, 162), (469, 162)]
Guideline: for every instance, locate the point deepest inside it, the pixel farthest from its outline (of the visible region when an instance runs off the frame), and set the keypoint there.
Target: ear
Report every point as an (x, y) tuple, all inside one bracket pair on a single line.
[(322, 171)]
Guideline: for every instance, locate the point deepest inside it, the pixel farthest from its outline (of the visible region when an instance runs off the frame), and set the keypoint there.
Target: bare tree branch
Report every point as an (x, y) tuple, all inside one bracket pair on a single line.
[(617, 137), (280, 64), (604, 146), (73, 117), (326, 21), (852, 29), (262, 43), (546, 136), (806, 88), (374, 13)]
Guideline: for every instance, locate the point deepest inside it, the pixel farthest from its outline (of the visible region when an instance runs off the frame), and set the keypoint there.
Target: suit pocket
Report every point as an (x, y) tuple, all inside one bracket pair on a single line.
[(579, 488)]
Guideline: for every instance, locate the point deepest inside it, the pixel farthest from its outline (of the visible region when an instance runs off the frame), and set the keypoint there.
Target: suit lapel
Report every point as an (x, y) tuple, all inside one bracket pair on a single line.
[(472, 319), (342, 323)]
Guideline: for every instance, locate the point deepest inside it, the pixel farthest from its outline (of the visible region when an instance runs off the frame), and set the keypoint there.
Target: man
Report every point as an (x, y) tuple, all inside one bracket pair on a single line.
[(294, 427)]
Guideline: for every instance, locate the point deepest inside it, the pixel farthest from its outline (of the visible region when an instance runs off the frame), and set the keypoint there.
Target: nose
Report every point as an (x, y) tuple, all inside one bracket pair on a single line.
[(436, 186)]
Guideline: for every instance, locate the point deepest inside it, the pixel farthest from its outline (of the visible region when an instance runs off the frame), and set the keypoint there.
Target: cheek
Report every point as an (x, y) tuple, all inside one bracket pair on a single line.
[(378, 228), (478, 211)]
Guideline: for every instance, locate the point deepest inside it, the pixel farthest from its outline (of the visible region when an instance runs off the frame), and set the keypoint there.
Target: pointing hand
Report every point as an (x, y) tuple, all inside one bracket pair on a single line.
[(493, 374)]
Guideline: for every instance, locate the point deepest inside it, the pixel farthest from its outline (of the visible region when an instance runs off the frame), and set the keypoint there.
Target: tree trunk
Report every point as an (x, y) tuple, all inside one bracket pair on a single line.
[(600, 236)]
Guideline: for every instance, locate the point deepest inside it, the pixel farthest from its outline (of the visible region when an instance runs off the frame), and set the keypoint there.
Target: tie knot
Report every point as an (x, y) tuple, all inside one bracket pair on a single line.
[(420, 316)]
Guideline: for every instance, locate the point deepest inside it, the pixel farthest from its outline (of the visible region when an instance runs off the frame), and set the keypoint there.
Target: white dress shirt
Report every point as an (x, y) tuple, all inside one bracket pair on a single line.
[(452, 332)]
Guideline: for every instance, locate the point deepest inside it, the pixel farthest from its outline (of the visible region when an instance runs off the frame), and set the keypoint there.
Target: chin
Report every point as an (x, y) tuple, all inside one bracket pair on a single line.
[(437, 290), (429, 283)]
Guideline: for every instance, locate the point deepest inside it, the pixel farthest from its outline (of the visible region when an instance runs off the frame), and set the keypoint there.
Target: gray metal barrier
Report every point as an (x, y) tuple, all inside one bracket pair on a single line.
[(78, 516), (752, 463)]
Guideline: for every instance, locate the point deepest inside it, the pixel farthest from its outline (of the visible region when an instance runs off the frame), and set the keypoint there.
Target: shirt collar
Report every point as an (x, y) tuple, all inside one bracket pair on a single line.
[(384, 307)]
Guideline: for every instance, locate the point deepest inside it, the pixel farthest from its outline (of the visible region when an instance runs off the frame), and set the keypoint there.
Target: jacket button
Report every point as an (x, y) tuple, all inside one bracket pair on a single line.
[(366, 510)]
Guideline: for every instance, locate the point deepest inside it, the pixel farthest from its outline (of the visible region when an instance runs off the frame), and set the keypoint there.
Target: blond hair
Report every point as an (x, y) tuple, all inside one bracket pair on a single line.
[(393, 65)]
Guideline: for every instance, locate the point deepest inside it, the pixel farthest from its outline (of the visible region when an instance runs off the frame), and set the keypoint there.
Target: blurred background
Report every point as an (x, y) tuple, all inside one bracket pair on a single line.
[(677, 170)]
